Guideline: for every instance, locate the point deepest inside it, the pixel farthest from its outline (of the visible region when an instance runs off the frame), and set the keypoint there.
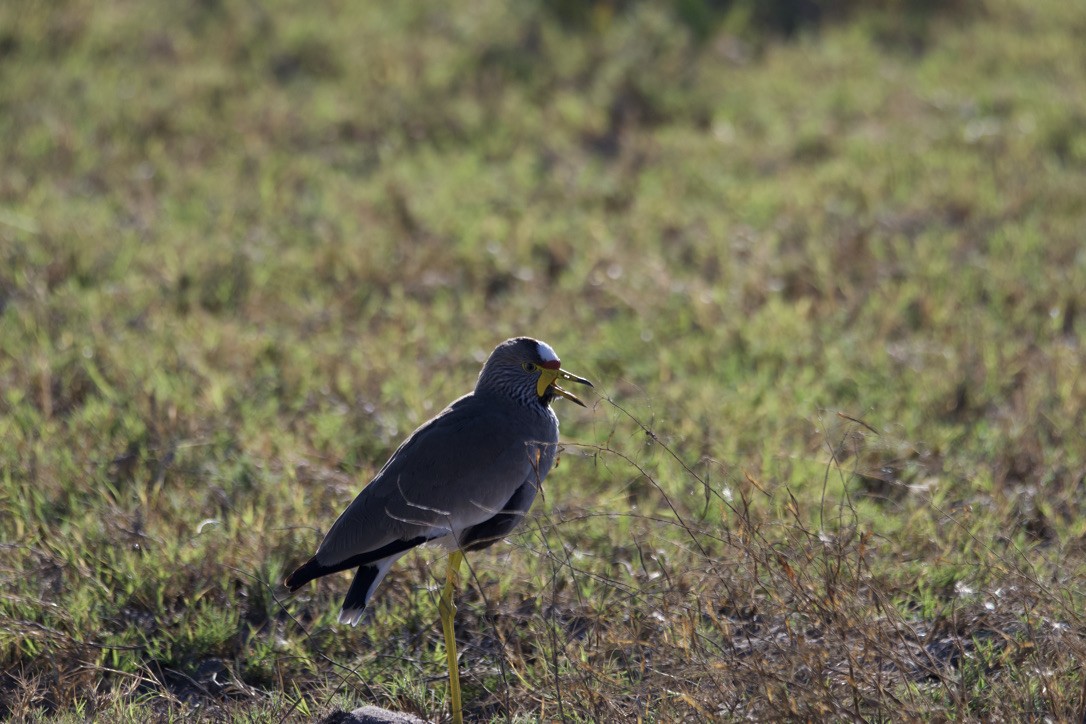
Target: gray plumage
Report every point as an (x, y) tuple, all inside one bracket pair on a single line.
[(464, 479)]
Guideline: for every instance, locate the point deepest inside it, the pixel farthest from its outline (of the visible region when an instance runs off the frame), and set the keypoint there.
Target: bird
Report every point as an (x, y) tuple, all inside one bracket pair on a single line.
[(463, 481)]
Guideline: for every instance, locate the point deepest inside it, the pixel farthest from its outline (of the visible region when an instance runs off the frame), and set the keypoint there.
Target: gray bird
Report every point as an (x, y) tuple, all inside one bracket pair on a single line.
[(463, 480)]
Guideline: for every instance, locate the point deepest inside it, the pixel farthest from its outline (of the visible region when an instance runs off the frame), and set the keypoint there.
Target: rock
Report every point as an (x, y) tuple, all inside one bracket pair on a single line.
[(371, 715)]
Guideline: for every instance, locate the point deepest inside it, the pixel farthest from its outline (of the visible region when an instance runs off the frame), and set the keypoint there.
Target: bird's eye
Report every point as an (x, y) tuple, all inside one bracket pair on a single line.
[(529, 367)]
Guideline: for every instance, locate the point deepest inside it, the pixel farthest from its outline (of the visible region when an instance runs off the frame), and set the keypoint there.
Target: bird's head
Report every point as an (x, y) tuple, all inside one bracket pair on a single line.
[(528, 370)]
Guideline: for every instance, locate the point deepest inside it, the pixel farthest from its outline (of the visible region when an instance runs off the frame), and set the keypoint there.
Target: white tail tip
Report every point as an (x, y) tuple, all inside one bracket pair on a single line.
[(351, 616)]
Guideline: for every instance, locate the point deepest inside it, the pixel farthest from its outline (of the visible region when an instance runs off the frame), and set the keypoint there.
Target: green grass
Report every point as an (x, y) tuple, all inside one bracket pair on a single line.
[(831, 288)]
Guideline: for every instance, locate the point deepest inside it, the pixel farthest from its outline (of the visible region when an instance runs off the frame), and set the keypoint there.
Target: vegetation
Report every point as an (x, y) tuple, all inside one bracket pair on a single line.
[(830, 283)]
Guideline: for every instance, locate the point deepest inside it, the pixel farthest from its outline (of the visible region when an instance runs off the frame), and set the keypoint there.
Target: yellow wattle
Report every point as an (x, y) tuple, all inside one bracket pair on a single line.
[(546, 379)]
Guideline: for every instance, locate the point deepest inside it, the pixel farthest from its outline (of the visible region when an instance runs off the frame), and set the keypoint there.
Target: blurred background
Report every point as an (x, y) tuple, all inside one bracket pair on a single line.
[(823, 260)]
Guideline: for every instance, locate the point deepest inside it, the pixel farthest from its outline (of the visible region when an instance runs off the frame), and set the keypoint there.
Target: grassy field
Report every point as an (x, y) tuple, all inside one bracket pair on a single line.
[(831, 287)]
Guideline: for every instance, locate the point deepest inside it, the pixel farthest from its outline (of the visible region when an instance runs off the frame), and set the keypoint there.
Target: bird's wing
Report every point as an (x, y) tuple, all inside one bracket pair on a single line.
[(457, 470)]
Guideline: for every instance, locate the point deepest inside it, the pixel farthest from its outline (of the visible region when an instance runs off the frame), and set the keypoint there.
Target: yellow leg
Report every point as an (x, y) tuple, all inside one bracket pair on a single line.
[(448, 611)]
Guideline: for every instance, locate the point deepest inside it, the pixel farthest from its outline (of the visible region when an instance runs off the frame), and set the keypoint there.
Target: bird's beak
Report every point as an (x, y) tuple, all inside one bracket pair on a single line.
[(548, 380)]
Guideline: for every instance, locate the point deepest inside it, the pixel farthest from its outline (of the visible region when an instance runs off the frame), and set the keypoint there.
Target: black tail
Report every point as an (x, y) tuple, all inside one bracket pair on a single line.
[(358, 595), (314, 569)]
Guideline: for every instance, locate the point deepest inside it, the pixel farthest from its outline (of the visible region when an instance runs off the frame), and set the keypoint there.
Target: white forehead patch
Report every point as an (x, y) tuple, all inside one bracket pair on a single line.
[(546, 353)]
